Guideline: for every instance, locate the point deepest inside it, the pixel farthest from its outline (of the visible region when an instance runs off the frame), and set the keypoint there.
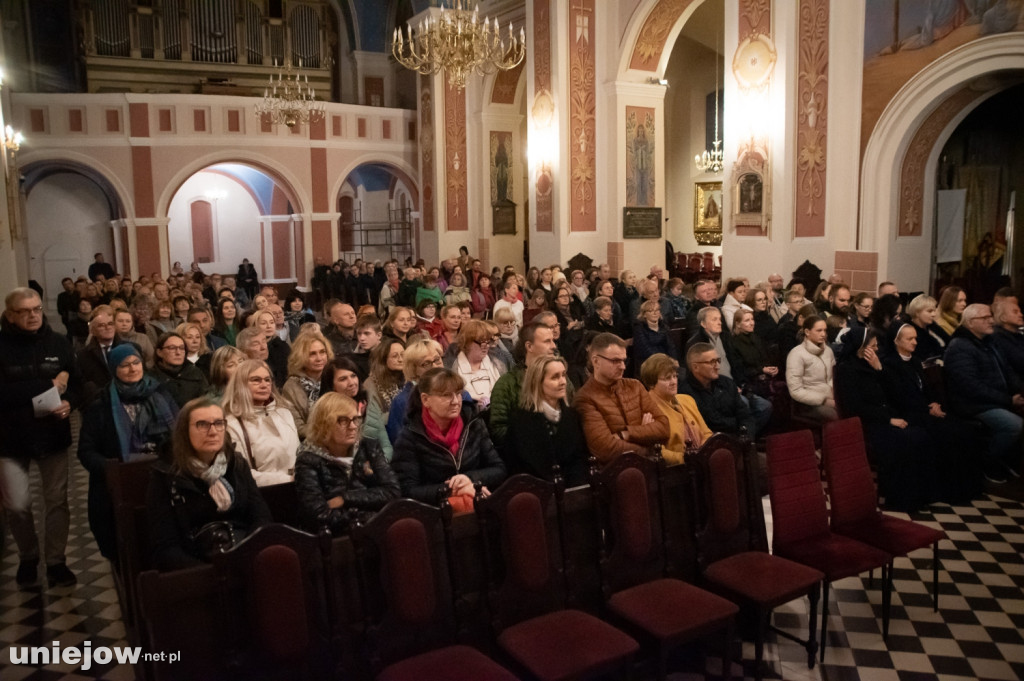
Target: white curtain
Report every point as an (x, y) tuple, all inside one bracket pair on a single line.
[(950, 225)]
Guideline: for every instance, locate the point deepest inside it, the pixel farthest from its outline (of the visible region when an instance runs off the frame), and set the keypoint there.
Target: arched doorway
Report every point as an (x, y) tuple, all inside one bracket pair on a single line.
[(376, 203), (229, 211)]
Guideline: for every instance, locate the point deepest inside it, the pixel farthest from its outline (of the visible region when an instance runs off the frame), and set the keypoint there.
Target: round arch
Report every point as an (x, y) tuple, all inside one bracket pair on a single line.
[(289, 182), (401, 169), (652, 30), (881, 165), (39, 164)]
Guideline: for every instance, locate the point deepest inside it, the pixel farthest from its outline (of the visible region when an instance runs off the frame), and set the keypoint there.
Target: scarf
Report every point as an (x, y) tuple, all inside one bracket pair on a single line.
[(552, 414), (152, 421), (311, 387), (449, 440), (343, 462), (221, 491)]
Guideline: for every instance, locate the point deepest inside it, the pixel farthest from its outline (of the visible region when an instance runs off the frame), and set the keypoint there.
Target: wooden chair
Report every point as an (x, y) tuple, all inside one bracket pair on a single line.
[(732, 546), (128, 483), (407, 592), (854, 498), (283, 502), (800, 529), (273, 599), (634, 572), (523, 555)]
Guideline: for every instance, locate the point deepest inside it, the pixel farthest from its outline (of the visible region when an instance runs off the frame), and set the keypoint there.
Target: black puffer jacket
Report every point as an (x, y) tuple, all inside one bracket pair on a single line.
[(367, 486), (976, 377), (423, 465), (187, 383), (28, 364), (720, 404)]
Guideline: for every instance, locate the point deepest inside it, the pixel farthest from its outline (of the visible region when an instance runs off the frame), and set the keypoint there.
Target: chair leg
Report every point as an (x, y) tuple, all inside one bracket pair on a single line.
[(886, 600), (824, 617), (759, 636), (812, 629), (935, 574), (727, 651)]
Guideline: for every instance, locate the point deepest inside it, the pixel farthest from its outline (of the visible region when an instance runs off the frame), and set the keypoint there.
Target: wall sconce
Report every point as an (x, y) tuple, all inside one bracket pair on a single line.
[(12, 141)]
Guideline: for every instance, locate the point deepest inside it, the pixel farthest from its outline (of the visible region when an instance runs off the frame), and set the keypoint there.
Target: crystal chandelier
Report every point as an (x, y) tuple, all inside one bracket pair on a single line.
[(710, 160), (288, 99), (458, 42)]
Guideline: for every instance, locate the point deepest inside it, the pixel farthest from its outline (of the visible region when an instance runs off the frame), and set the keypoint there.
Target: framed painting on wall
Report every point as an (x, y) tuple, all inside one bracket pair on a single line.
[(707, 213)]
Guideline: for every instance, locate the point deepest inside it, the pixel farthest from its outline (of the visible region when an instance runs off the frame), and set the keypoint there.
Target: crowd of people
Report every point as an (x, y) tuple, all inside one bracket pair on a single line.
[(438, 382)]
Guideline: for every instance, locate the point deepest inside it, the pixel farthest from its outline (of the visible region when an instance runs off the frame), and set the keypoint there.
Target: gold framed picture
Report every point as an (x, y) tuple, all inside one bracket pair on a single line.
[(707, 213)]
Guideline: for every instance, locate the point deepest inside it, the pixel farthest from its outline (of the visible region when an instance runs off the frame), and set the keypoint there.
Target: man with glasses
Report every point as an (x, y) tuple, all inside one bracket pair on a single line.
[(92, 359), (718, 400), (618, 414), (34, 360)]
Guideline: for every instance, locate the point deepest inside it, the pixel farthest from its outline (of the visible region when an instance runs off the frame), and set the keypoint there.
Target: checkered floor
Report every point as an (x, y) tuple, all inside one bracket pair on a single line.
[(977, 633)]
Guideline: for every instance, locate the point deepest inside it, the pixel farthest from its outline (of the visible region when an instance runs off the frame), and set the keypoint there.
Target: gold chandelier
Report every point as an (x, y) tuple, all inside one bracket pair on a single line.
[(459, 43), (711, 160), (289, 99)]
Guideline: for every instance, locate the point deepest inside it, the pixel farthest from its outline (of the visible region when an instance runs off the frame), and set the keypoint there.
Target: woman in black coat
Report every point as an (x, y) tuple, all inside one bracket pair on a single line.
[(339, 477), (755, 372), (444, 448), (543, 430), (131, 419), (906, 460), (182, 379), (650, 335), (204, 500)]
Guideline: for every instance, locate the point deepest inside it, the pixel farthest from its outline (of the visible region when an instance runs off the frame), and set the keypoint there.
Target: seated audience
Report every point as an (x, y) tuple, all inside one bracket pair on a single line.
[(675, 306), (718, 399), (341, 375), (451, 322), (507, 330), (420, 356), (735, 297), (368, 336), (132, 418), (483, 299), (226, 323), (386, 380), (860, 310), (78, 324), (93, 367), (340, 477), (544, 431), (400, 324), (310, 354), (427, 322), (277, 349), (445, 448), (952, 302), (765, 326), (931, 340), (1008, 337), (754, 370), (617, 413), (687, 429), (182, 379), (205, 499), (253, 343), (296, 313), (340, 330), (474, 364), (650, 334), (510, 299), (602, 319), (457, 290), (809, 369), (124, 325), (261, 427), (536, 303), (196, 350), (223, 363), (536, 340)]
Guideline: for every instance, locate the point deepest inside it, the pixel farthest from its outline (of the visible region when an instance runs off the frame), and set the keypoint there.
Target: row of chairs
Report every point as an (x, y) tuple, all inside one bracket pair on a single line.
[(856, 537)]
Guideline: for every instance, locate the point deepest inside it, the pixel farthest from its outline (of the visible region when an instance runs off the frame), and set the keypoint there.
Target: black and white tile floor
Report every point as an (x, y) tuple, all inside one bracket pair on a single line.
[(978, 632)]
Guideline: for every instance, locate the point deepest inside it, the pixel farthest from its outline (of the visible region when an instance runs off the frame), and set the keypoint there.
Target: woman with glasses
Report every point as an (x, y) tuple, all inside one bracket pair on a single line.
[(182, 379), (310, 354), (473, 364), (340, 477), (261, 427), (765, 326), (687, 429), (445, 448), (204, 500), (223, 364), (131, 419), (650, 334), (861, 310)]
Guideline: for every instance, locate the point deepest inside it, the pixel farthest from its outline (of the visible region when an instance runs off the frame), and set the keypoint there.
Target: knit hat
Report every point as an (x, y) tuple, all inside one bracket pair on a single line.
[(120, 353)]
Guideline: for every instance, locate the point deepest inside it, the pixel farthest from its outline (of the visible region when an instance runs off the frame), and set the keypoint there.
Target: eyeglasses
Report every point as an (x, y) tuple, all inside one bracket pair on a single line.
[(447, 397), (173, 348), (484, 344), (130, 364), (346, 422), (431, 363), (613, 360), (103, 325), (713, 362), (260, 379), (26, 311), (205, 426), (510, 322)]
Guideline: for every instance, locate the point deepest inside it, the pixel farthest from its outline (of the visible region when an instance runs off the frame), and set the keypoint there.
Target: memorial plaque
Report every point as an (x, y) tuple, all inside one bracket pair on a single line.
[(503, 216), (641, 223)]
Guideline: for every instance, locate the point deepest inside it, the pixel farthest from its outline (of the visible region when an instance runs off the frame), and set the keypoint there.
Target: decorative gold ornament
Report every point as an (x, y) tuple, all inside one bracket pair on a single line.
[(288, 99), (754, 62)]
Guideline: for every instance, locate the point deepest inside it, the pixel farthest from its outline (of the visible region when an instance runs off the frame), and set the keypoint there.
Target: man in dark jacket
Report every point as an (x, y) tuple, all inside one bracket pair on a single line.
[(718, 400), (92, 359), (1008, 337), (981, 386), (99, 267), (33, 360)]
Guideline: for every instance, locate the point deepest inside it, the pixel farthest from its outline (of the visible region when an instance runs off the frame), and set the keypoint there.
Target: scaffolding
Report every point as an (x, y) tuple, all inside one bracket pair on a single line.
[(376, 239)]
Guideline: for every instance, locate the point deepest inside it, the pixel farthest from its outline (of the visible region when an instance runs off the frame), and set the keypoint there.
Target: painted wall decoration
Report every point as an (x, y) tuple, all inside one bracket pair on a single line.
[(582, 118), (456, 175), (427, 152), (812, 118), (650, 42), (753, 67), (501, 167), (543, 110), (639, 156), (902, 37), (505, 85)]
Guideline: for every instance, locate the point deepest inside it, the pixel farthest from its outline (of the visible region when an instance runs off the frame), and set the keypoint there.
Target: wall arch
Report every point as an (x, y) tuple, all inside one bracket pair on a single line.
[(666, 18), (43, 162), (883, 156), (401, 169)]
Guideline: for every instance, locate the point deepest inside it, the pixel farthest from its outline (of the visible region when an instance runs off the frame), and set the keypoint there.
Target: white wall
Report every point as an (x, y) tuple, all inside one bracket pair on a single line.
[(236, 224), (67, 221)]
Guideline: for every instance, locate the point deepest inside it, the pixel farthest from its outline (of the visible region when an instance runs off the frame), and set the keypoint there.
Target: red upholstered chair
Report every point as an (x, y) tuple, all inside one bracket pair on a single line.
[(634, 577), (519, 525), (800, 530), (274, 605), (854, 498), (407, 591), (732, 548)]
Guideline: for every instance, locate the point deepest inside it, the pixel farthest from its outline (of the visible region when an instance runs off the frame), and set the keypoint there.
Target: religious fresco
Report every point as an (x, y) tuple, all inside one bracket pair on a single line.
[(501, 167), (902, 37), (639, 156)]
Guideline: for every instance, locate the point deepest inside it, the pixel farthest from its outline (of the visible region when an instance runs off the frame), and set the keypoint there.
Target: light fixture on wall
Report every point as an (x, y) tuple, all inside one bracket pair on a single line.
[(710, 160), (456, 41), (289, 99), (12, 142)]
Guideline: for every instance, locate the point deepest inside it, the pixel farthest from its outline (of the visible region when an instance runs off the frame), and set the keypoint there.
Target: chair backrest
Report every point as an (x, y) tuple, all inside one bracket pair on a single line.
[(794, 486), (627, 501), (283, 503), (128, 483), (851, 488), (522, 549), (727, 512), (274, 599), (405, 581)]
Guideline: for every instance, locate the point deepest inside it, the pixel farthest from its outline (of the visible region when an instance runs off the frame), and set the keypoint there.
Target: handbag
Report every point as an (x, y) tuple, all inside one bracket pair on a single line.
[(212, 538)]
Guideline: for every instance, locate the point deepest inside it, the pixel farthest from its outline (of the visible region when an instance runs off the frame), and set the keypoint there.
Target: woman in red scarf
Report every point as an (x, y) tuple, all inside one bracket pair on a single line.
[(445, 447)]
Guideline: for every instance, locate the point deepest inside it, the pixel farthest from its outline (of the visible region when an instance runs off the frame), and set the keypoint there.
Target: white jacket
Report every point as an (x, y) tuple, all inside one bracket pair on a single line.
[(273, 439), (809, 373)]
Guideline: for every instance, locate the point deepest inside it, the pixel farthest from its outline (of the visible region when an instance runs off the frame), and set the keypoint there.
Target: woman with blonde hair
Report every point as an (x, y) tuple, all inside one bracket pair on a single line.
[(223, 364), (687, 429), (278, 350), (473, 362), (952, 303), (385, 381), (310, 354), (196, 350), (543, 430), (340, 476), (400, 323), (420, 356), (261, 427)]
